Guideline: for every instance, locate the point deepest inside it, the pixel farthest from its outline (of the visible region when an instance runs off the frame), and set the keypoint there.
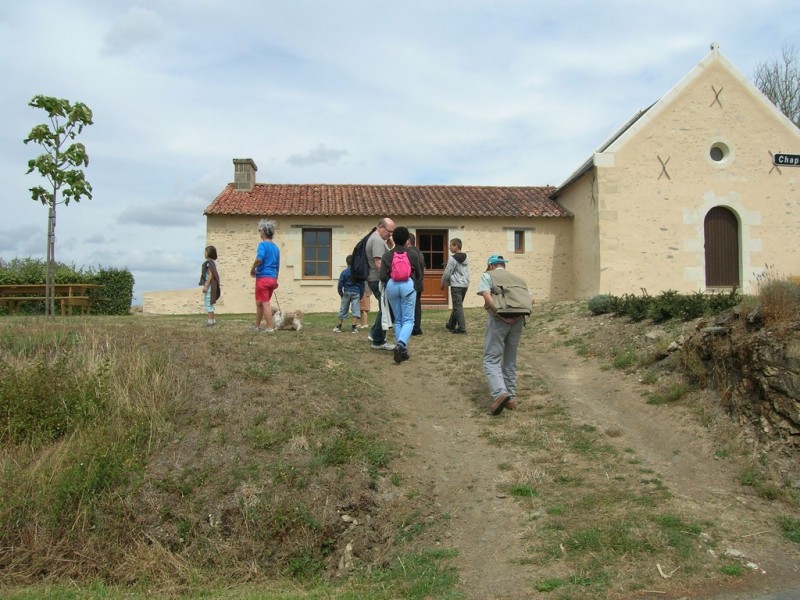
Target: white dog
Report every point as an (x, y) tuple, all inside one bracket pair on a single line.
[(287, 320)]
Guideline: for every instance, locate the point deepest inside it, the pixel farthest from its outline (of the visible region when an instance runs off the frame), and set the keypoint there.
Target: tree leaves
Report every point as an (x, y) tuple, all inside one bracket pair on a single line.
[(59, 165)]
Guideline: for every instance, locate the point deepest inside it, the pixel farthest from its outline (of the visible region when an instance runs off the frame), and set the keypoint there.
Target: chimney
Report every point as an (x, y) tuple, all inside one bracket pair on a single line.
[(244, 174)]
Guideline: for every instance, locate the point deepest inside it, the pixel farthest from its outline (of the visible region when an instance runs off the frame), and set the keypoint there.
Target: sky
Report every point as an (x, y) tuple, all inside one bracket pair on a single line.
[(418, 92)]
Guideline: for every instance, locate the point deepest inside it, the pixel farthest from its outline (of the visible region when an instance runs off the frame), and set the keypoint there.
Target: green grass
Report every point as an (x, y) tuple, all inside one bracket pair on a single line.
[(752, 476), (260, 450), (624, 358), (790, 527), (521, 490), (669, 396), (732, 569)]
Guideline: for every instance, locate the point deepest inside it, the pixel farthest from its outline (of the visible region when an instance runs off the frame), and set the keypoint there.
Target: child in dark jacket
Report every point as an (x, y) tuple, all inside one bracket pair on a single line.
[(350, 292), (209, 279)]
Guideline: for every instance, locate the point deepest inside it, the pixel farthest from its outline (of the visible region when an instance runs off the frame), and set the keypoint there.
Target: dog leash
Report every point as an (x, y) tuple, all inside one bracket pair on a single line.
[(275, 297)]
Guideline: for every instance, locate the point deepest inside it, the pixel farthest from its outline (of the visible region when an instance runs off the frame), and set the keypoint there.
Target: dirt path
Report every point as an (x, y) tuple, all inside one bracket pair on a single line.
[(448, 459)]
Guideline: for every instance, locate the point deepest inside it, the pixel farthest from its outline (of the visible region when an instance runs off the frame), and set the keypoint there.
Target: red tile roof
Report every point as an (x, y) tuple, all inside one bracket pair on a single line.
[(268, 199)]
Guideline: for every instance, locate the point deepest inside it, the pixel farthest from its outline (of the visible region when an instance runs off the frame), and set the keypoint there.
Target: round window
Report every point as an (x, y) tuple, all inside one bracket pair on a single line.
[(719, 152)]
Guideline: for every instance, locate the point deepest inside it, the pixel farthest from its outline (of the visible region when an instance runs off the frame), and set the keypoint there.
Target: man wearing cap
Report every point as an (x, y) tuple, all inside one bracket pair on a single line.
[(500, 341)]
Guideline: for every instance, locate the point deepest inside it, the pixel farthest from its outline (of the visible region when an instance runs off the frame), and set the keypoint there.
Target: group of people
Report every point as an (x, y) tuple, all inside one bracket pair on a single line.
[(403, 294), (395, 280)]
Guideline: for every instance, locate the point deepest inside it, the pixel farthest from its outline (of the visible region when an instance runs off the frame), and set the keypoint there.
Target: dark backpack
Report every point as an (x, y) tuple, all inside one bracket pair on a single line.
[(401, 266), (510, 294), (359, 269)]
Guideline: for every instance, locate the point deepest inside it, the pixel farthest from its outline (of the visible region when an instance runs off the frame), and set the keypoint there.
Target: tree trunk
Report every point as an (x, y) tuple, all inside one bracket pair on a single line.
[(50, 277)]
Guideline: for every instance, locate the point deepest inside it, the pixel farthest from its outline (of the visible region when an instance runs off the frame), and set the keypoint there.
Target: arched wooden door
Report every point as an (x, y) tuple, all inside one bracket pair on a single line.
[(722, 248)]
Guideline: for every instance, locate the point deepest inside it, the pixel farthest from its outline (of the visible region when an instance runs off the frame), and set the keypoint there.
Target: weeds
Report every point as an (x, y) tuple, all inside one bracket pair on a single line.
[(778, 298), (624, 358), (753, 476), (671, 395), (253, 463), (790, 527)]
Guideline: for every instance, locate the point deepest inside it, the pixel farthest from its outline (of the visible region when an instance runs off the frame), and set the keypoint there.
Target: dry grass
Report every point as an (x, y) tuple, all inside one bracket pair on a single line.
[(236, 456)]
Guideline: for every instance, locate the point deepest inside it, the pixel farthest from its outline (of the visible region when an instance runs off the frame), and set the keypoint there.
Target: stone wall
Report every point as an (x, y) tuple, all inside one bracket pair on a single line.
[(756, 369)]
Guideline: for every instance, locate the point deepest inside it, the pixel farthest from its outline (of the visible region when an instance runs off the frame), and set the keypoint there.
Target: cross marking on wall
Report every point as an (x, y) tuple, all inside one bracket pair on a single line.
[(774, 166), (663, 168), (716, 96)]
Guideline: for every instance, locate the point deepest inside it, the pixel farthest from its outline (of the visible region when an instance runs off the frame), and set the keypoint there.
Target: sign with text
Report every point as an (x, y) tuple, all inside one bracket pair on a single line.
[(786, 160)]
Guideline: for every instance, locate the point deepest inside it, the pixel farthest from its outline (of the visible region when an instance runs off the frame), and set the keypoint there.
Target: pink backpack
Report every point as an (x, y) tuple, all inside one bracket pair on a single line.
[(401, 267)]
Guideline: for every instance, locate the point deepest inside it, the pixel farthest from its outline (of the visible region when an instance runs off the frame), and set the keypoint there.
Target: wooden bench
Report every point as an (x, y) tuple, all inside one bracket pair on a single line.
[(67, 296)]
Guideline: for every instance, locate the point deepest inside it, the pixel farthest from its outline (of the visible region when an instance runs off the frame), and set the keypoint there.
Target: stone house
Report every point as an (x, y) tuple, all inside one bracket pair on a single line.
[(686, 196)]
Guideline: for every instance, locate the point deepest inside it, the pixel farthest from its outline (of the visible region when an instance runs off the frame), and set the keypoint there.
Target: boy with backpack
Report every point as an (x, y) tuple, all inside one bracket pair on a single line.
[(507, 301), (350, 292), (401, 271)]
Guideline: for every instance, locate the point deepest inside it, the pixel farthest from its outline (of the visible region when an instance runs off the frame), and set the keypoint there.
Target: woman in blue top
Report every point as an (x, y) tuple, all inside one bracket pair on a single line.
[(265, 270)]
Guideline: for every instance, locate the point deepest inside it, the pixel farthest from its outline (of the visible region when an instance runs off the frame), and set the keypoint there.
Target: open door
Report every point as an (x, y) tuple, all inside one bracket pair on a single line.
[(434, 243)]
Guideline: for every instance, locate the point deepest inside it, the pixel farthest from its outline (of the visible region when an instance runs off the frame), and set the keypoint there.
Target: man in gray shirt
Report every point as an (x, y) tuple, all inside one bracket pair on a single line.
[(377, 246)]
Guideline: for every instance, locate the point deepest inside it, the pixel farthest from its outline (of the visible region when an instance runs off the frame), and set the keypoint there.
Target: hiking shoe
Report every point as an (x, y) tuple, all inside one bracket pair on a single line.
[(398, 353), (499, 403), (338, 329), (404, 355)]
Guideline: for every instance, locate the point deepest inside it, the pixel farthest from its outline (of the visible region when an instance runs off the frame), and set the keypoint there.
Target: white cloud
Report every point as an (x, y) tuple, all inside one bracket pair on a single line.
[(137, 27), (319, 155)]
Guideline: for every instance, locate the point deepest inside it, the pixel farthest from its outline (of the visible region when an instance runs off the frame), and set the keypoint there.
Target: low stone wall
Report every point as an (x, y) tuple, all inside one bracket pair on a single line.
[(177, 302), (757, 372)]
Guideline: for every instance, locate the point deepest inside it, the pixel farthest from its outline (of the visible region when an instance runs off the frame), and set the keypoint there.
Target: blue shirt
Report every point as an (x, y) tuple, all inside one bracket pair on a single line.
[(270, 256)]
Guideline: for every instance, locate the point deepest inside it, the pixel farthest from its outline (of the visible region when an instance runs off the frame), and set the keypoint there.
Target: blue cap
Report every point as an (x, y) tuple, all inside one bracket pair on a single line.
[(496, 259)]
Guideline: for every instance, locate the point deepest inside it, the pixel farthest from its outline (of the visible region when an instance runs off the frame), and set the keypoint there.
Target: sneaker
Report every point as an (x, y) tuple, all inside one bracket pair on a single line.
[(458, 331), (211, 324), (268, 330), (354, 329), (369, 337), (388, 347), (448, 327), (364, 326), (338, 329), (253, 329), (499, 403)]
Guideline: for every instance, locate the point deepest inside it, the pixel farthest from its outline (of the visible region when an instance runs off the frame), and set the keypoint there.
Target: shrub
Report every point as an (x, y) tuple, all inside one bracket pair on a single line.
[(717, 303), (665, 306), (635, 307), (779, 300), (601, 304), (114, 298)]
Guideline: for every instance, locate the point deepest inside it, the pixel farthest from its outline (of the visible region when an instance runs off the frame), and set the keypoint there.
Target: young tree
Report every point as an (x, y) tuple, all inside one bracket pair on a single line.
[(779, 81), (60, 166)]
